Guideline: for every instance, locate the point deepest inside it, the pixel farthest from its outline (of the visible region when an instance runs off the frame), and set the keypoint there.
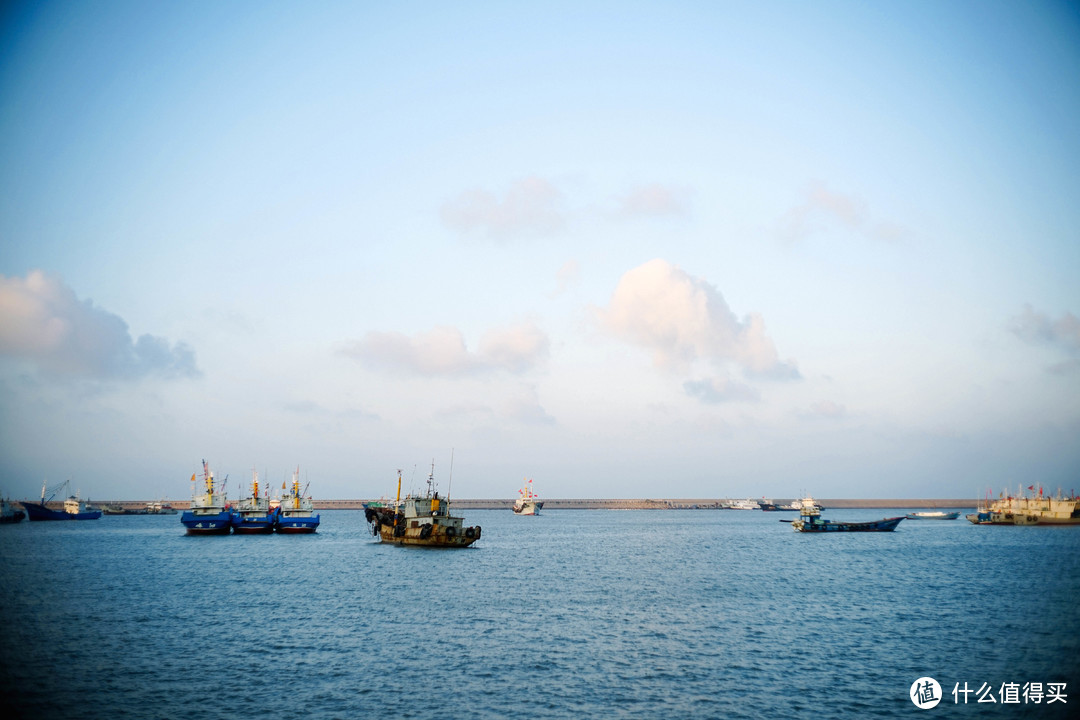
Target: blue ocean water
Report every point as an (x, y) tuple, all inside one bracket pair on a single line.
[(571, 614)]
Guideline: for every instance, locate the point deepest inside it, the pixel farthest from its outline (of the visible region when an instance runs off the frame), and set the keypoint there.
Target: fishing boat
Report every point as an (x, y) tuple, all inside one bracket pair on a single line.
[(747, 504), (159, 507), (74, 507), (421, 520), (295, 512), (9, 513), (253, 515), (936, 515), (209, 513), (1021, 509), (810, 521), (528, 503)]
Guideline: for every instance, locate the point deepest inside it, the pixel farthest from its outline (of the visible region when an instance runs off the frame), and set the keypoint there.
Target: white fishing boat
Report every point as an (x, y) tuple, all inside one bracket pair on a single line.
[(528, 502), (932, 515)]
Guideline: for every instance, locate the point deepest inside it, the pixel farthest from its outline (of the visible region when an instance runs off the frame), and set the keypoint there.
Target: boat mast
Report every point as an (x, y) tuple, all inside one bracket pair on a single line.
[(450, 482), (397, 503)]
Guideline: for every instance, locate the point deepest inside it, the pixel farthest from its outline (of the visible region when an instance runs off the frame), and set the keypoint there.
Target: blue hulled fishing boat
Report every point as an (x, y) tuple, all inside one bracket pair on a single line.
[(296, 514), (810, 521), (253, 515), (209, 513), (74, 507)]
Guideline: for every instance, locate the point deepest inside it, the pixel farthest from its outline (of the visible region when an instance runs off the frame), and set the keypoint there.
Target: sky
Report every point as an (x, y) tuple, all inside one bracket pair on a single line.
[(626, 249)]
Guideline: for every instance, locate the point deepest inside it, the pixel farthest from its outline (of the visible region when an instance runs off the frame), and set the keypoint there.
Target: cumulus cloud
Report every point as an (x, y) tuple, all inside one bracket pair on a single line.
[(530, 207), (683, 319), (823, 208), (652, 200), (42, 320), (442, 351)]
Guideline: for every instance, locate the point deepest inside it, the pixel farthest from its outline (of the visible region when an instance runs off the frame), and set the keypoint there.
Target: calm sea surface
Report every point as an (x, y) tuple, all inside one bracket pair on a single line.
[(572, 614)]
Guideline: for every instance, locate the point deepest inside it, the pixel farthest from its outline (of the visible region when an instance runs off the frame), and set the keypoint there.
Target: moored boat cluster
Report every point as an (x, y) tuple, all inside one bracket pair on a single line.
[(212, 514)]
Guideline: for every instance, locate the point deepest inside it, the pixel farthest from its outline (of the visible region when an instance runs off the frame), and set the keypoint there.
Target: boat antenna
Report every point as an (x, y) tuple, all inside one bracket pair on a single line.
[(450, 482)]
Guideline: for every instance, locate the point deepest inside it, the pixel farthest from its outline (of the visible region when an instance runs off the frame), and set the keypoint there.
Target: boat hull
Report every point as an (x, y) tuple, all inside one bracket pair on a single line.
[(933, 516), (37, 511), (986, 518), (12, 517), (415, 537), (528, 508), (211, 524), (883, 525), (253, 526), (297, 525)]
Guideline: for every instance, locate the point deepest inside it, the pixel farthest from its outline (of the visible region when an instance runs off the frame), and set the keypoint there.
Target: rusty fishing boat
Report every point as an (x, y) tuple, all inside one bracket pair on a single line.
[(421, 520)]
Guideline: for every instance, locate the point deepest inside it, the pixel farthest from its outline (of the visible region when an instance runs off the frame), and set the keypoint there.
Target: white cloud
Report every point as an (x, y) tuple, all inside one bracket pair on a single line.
[(531, 206), (683, 319), (720, 390), (442, 351), (653, 200), (42, 320), (567, 277), (824, 208), (826, 409), (1038, 328)]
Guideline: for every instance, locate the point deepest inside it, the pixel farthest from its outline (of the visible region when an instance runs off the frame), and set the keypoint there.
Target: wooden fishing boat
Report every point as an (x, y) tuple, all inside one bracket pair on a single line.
[(420, 520)]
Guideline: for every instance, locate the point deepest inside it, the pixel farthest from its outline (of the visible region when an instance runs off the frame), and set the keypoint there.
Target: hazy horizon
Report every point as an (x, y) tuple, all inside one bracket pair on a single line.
[(683, 249)]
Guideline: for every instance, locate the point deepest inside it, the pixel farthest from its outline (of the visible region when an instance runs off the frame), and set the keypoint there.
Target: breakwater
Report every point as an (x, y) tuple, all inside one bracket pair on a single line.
[(609, 503)]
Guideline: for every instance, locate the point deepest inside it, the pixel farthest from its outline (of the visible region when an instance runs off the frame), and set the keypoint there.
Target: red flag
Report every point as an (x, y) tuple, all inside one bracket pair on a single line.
[(1031, 487)]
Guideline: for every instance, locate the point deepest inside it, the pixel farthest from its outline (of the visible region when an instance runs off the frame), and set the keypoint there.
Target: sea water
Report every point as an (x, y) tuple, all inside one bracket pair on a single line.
[(570, 614)]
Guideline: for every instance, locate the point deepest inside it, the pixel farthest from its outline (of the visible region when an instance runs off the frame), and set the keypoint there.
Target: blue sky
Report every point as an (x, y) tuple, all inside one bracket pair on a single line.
[(626, 249)]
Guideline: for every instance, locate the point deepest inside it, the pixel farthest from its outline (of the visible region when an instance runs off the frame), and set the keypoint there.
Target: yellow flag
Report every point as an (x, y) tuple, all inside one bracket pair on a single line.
[(192, 477)]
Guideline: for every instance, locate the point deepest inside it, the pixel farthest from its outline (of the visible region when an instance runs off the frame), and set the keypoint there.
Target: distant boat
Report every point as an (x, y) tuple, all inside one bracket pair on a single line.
[(422, 520), (938, 515), (253, 515), (1039, 509), (296, 513), (810, 521), (9, 513), (209, 513), (743, 505), (159, 507), (74, 507), (528, 503)]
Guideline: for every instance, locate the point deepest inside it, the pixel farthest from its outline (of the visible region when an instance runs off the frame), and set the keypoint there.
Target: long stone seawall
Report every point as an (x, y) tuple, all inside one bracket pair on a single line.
[(607, 503)]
